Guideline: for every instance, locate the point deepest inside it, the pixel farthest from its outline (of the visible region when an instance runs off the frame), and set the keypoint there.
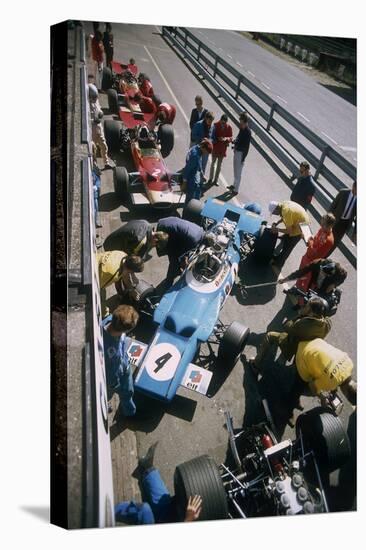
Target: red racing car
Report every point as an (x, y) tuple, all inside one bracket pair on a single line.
[(151, 183)]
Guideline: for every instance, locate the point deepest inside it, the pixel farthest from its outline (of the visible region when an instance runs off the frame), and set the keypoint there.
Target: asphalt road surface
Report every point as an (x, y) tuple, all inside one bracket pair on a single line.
[(329, 115), (193, 424)]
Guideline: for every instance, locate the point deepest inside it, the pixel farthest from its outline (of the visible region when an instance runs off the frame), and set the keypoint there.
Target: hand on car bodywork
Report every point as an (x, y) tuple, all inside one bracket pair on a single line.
[(194, 508)]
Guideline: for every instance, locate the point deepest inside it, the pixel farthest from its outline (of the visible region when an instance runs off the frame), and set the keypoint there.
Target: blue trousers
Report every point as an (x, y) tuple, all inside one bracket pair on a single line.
[(157, 510), (193, 191), (125, 391)]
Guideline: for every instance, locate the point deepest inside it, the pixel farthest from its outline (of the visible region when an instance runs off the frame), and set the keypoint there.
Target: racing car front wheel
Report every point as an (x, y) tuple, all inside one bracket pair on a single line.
[(166, 138), (264, 245), (107, 79), (233, 342), (200, 476), (112, 101), (112, 131), (192, 212), (121, 183), (145, 291), (324, 434)]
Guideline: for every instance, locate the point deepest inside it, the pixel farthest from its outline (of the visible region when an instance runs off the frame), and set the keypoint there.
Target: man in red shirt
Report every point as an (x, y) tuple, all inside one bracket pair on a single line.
[(221, 137)]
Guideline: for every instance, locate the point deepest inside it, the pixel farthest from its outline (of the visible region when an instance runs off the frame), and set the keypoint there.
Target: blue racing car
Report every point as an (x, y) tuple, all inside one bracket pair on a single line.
[(188, 314)]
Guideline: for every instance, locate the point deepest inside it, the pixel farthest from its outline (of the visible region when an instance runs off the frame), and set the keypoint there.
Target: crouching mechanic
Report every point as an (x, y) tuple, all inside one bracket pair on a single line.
[(323, 368), (118, 370), (323, 276), (311, 323), (117, 268), (160, 507)]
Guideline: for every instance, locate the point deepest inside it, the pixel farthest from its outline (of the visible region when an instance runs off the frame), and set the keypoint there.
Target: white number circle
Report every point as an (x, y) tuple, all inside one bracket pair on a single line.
[(162, 362)]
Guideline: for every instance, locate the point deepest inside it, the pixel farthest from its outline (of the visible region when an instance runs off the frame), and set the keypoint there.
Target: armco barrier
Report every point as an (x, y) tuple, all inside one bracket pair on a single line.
[(228, 82), (236, 87)]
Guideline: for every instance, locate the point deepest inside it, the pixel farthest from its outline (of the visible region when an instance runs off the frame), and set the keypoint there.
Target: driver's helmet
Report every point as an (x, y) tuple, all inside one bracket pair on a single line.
[(93, 92), (253, 207), (144, 134)]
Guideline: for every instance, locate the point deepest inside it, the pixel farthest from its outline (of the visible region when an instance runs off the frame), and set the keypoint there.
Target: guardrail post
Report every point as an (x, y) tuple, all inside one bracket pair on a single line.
[(215, 67), (238, 87), (199, 51), (185, 40), (321, 161), (273, 108)]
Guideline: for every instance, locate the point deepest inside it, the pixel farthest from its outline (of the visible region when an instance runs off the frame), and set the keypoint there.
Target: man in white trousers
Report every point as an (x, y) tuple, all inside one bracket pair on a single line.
[(241, 148)]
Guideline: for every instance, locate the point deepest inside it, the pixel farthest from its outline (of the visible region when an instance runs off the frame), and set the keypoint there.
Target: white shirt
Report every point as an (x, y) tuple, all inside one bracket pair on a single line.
[(349, 206)]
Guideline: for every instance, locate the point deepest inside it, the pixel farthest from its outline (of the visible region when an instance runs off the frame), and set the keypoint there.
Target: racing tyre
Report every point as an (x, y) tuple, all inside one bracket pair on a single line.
[(323, 433), (121, 183), (192, 212), (264, 245), (113, 101), (233, 342), (200, 476), (166, 138), (145, 290), (112, 131), (107, 79)]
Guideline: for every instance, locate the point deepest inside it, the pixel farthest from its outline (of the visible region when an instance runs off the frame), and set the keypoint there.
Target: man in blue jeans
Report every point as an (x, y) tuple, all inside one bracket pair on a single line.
[(118, 370), (160, 507), (193, 174)]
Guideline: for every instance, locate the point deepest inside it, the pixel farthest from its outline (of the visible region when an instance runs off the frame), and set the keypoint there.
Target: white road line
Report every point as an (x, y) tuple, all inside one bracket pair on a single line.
[(230, 56), (354, 159), (265, 85), (282, 99), (222, 178), (157, 28), (167, 85), (346, 148), (331, 139), (280, 275), (252, 74), (240, 65), (303, 116)]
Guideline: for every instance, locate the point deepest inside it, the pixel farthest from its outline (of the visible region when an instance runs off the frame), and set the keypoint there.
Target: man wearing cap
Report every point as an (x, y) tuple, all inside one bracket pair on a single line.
[(291, 215), (135, 237), (304, 189), (161, 506), (311, 323), (193, 175), (221, 137)]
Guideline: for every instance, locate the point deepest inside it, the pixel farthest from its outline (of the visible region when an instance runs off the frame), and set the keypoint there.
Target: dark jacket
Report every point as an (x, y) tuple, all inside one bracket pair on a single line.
[(303, 329), (242, 141), (314, 268), (133, 238), (196, 116), (339, 203), (183, 235), (303, 191)]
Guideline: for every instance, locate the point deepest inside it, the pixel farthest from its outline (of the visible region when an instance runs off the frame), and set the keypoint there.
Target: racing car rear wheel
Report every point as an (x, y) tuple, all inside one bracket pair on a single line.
[(264, 244), (145, 291), (233, 342), (166, 138), (112, 101), (323, 433), (192, 212), (121, 183), (200, 476), (107, 79), (112, 131)]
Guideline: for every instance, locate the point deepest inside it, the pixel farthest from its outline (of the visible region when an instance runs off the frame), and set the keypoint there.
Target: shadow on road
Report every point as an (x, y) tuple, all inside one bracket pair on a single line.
[(347, 93)]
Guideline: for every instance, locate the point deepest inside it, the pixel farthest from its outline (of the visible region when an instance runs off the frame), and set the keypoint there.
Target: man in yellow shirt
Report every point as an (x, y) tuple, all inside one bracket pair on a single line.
[(324, 368), (291, 215), (116, 267)]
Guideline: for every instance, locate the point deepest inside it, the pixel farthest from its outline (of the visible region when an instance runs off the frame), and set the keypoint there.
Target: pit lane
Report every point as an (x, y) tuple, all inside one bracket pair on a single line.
[(193, 425)]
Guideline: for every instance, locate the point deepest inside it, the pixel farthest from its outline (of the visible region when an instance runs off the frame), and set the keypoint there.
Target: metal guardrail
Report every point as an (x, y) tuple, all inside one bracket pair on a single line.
[(236, 87)]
